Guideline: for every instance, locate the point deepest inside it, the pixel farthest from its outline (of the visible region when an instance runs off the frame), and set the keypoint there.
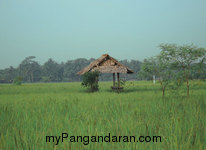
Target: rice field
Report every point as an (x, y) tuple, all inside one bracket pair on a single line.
[(30, 112)]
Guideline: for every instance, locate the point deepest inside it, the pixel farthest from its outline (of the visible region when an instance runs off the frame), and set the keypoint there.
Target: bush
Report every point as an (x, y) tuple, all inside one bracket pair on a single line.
[(17, 80), (90, 79), (45, 79)]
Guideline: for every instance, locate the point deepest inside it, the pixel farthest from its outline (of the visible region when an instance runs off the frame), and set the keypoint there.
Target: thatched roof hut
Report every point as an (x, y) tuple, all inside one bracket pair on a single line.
[(107, 64)]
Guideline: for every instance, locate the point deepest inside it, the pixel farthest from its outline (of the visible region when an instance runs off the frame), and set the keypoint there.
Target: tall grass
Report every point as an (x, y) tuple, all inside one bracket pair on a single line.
[(30, 112)]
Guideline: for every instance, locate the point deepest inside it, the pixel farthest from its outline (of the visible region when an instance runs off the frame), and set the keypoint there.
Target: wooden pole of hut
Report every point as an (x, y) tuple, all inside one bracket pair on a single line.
[(113, 79), (118, 80)]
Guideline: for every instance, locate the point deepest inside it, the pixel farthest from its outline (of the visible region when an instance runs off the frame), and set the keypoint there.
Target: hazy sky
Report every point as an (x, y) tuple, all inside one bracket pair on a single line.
[(70, 29)]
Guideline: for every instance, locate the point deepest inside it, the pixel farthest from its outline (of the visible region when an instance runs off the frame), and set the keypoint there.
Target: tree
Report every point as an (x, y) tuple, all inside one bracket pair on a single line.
[(160, 67), (52, 70), (29, 69), (71, 68), (184, 59), (7, 75), (90, 79)]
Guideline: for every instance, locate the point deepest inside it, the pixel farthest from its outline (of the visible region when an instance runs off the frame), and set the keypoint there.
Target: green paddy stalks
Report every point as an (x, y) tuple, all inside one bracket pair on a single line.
[(30, 112)]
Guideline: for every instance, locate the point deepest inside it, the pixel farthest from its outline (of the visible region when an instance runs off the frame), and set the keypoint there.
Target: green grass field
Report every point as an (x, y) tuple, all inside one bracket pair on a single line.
[(31, 111)]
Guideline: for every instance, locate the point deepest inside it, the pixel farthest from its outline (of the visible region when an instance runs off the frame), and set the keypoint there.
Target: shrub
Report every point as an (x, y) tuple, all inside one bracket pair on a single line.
[(90, 79), (17, 80)]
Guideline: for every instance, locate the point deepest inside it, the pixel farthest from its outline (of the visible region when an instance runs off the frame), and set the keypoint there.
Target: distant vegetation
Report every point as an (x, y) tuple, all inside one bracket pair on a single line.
[(51, 71)]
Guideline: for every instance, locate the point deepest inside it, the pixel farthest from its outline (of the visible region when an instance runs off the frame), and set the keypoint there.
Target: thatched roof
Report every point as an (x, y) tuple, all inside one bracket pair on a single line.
[(106, 64)]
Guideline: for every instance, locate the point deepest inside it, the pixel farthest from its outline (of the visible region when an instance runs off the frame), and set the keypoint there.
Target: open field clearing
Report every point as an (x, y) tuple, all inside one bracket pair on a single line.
[(30, 112)]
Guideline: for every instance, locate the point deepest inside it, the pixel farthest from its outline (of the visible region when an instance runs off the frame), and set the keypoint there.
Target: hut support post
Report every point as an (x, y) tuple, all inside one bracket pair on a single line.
[(113, 79), (118, 80)]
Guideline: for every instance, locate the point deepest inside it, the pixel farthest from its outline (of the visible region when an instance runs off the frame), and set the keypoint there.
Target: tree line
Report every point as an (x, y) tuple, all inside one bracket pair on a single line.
[(30, 71)]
